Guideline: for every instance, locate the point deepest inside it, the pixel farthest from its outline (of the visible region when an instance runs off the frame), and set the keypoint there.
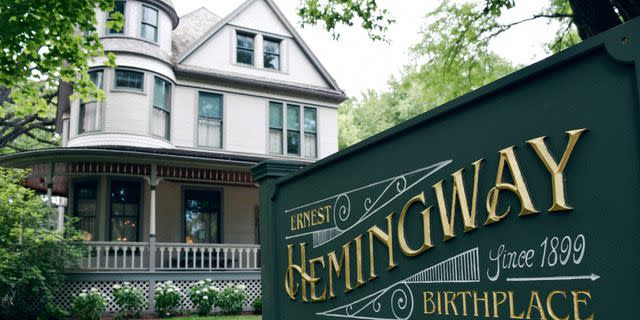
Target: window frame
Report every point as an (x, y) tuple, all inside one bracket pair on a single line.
[(166, 110), (140, 212), (197, 120), (183, 220), (285, 129), (304, 131), (281, 129), (96, 215), (278, 55), (100, 105), (252, 50), (128, 89), (110, 31), (143, 23)]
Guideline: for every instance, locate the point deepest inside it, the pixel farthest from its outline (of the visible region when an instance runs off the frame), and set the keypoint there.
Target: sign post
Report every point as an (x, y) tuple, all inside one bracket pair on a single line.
[(520, 200)]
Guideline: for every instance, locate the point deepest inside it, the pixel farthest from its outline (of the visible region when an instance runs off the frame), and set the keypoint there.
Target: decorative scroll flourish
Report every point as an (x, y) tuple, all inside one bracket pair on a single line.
[(397, 303), (375, 197)]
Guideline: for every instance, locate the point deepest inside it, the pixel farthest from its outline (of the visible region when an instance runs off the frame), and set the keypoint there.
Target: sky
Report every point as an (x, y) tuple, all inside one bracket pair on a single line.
[(359, 64)]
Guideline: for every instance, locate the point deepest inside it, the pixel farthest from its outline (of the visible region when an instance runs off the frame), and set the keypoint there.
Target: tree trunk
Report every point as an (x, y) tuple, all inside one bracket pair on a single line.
[(628, 9), (594, 16)]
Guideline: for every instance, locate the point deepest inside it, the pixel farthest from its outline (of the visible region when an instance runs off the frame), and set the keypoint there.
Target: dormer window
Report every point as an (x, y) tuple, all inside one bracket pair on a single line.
[(272, 54), (149, 29), (131, 80), (244, 48), (119, 7)]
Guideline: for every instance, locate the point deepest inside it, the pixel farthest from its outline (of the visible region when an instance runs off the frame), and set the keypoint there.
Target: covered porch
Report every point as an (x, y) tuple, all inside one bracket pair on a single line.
[(152, 215)]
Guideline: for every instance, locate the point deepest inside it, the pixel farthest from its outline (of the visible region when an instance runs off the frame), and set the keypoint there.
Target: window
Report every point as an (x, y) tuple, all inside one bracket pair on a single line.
[(85, 206), (272, 54), (293, 129), (129, 80), (125, 210), (202, 216), (210, 120), (297, 141), (149, 30), (310, 131), (244, 48), (119, 7), (275, 127), (161, 108), (90, 110)]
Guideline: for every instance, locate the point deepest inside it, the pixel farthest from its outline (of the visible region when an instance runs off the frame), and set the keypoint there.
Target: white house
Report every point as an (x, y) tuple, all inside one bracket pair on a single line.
[(158, 173)]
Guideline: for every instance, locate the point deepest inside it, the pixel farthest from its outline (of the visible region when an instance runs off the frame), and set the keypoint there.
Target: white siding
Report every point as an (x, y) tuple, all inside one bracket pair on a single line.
[(117, 139), (183, 117), (327, 131), (259, 16), (133, 61), (245, 123)]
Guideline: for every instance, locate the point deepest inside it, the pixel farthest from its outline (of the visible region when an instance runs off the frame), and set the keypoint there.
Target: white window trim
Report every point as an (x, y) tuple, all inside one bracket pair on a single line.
[(152, 96), (115, 88), (157, 39)]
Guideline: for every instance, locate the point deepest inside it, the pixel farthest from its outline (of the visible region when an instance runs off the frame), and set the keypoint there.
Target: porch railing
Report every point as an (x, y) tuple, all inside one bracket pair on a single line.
[(152, 256)]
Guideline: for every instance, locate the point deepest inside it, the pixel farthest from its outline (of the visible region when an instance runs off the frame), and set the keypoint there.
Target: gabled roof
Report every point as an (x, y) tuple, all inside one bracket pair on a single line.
[(296, 36), (191, 28)]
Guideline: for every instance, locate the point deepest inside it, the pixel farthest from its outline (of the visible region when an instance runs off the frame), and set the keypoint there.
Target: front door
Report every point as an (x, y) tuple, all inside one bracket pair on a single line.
[(202, 216)]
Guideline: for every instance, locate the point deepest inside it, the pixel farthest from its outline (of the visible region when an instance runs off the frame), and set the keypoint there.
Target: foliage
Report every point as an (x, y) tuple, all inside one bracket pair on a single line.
[(89, 305), (331, 13), (167, 299), (231, 299), (130, 301), (32, 252), (257, 305), (54, 312), (425, 83), (44, 42), (204, 295)]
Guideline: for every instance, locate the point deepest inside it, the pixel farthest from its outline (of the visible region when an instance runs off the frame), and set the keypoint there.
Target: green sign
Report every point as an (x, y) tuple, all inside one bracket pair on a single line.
[(520, 200)]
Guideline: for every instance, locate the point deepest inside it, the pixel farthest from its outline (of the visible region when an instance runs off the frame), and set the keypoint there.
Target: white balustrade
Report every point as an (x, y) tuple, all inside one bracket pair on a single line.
[(207, 257), (134, 256)]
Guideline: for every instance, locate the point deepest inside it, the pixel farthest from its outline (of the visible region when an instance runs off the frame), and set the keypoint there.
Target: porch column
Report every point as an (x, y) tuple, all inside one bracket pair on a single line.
[(49, 181), (61, 209), (153, 184)]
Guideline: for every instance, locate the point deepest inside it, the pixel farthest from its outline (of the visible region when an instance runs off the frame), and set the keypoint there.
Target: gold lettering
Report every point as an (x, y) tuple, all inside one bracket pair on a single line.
[(312, 274), (512, 313), (430, 301), (292, 224), (497, 303), (426, 228), (469, 218), (387, 240), (337, 266), (576, 304), (463, 294), (475, 304), (535, 296), (552, 313), (556, 169), (360, 280), (518, 187), (328, 212), (301, 269), (451, 302)]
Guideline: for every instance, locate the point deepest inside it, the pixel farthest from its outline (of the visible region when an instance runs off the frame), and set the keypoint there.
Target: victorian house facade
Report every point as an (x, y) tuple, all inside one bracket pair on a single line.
[(157, 173)]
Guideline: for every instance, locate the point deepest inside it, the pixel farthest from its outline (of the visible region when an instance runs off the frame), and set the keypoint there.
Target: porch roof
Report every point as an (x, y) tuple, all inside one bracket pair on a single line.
[(132, 155)]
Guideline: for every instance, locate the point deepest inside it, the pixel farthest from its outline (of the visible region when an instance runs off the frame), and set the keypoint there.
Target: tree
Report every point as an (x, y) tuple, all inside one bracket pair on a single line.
[(45, 42), (32, 252), (590, 17)]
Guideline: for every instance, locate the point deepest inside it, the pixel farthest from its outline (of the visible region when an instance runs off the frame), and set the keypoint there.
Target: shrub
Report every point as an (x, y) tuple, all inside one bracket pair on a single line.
[(54, 312), (204, 295), (257, 305), (89, 305), (167, 299), (32, 252), (131, 301), (231, 299)]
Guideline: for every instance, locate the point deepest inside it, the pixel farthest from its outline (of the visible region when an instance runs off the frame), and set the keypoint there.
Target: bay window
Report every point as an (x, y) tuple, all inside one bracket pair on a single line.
[(119, 7), (149, 28), (210, 120), (90, 111), (161, 113)]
